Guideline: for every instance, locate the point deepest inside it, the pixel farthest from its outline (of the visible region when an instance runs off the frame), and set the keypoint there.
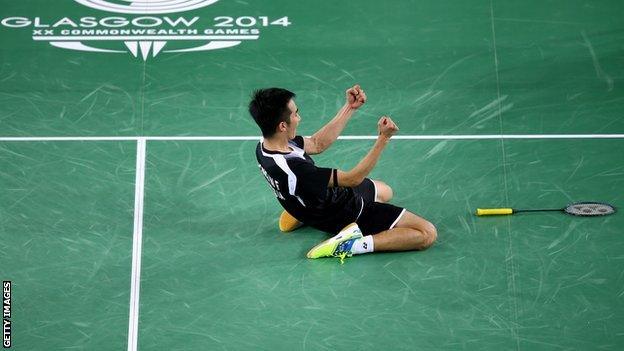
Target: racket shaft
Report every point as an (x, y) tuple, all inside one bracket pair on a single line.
[(542, 210), (494, 211)]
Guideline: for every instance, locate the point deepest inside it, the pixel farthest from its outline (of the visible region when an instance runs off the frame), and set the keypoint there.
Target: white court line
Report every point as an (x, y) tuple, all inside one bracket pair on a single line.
[(137, 242), (344, 137)]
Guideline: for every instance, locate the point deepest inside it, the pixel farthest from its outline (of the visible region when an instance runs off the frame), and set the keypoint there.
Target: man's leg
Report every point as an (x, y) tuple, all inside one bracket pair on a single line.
[(410, 233)]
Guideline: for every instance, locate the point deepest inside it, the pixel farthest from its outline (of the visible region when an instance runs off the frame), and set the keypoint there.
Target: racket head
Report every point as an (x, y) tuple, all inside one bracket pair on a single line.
[(589, 209)]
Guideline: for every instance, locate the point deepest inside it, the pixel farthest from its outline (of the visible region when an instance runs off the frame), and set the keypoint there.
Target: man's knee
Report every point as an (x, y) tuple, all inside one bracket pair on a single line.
[(425, 233), (384, 191), (430, 234), (389, 193)]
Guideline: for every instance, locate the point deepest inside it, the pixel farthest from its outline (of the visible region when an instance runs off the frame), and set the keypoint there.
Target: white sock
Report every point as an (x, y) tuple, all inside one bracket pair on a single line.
[(363, 245)]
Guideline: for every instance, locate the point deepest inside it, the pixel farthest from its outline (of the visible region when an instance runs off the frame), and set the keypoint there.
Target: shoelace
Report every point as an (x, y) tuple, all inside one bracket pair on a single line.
[(342, 257), (344, 250)]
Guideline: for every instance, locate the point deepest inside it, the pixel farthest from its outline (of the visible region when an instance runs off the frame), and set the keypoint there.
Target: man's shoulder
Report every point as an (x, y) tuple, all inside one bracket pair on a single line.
[(300, 165)]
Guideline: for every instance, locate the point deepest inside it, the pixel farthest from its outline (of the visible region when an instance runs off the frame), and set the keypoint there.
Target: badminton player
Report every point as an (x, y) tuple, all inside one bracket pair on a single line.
[(344, 203)]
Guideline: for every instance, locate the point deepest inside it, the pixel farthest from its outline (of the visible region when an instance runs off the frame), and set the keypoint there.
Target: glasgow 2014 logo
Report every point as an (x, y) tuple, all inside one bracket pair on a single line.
[(145, 32)]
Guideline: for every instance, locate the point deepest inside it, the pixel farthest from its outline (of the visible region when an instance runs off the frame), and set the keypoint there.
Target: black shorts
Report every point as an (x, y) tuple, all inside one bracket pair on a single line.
[(372, 217), (375, 217)]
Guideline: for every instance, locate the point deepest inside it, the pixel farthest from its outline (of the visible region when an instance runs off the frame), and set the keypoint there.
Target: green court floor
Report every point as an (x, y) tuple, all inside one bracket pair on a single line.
[(215, 272)]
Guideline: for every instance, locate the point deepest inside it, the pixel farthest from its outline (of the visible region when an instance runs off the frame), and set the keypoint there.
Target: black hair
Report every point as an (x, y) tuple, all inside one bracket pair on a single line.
[(269, 107)]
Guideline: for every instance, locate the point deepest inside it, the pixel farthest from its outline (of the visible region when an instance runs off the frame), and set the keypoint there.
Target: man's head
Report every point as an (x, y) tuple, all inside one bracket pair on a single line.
[(273, 110)]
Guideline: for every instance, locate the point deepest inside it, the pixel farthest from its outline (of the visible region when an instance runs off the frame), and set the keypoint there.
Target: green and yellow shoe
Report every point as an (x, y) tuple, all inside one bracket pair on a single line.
[(339, 245)]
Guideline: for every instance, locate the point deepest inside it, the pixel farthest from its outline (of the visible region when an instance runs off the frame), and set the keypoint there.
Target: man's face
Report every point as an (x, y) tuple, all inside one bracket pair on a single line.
[(294, 119)]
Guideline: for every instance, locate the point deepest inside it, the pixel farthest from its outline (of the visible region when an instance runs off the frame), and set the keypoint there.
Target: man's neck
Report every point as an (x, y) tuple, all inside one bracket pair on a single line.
[(277, 143)]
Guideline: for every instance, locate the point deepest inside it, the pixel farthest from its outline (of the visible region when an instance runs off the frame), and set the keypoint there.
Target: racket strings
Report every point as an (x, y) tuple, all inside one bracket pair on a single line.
[(589, 209)]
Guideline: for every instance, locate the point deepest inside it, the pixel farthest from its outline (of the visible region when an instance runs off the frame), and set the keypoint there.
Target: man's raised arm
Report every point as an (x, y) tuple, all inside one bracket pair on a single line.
[(355, 176), (324, 137)]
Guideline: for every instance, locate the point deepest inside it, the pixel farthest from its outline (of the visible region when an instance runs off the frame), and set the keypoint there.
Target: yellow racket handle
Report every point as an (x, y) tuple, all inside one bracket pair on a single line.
[(494, 211)]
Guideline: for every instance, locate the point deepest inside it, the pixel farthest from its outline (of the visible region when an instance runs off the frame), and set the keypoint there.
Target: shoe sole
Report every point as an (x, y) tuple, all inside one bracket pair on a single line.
[(288, 223)]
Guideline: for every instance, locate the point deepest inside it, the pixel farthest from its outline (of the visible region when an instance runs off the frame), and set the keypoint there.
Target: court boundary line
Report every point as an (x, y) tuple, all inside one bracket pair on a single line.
[(344, 137), (509, 260), (137, 243)]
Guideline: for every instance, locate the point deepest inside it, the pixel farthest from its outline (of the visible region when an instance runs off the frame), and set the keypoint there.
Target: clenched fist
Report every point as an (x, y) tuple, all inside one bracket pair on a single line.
[(387, 127), (355, 97)]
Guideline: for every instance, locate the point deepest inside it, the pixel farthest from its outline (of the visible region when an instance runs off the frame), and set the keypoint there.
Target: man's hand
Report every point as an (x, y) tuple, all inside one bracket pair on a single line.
[(387, 127), (355, 97)]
